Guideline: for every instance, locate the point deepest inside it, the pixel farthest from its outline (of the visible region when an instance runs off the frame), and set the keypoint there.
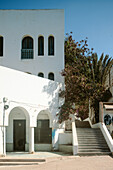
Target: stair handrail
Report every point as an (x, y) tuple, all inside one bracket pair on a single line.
[(107, 136), (74, 136), (105, 133)]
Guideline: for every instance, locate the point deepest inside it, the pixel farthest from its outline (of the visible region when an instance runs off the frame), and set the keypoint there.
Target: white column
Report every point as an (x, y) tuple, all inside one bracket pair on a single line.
[(31, 139), (2, 141)]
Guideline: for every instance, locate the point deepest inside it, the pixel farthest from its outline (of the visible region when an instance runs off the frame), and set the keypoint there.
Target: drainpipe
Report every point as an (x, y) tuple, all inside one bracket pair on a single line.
[(4, 108)]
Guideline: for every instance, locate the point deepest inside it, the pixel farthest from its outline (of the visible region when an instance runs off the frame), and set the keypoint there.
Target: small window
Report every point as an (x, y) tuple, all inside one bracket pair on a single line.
[(51, 45), (27, 48), (1, 46), (41, 45), (51, 76), (40, 74)]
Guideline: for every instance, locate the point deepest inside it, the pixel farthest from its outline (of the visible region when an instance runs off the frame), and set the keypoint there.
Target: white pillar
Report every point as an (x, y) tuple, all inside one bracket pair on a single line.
[(3, 141), (31, 139)]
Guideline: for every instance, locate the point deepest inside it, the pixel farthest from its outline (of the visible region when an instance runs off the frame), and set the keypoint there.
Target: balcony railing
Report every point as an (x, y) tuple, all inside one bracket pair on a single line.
[(27, 54)]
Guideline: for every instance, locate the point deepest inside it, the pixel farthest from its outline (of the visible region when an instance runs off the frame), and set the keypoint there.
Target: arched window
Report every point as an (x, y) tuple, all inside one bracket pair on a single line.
[(51, 76), (41, 45), (1, 46), (51, 45), (40, 74), (27, 48)]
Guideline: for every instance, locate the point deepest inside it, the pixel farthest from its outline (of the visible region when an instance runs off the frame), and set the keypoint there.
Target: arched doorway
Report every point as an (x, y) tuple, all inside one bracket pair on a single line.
[(43, 132), (17, 130)]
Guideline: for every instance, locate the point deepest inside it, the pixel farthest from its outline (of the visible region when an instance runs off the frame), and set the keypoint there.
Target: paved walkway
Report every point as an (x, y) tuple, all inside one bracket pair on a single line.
[(27, 155), (59, 161), (69, 163)]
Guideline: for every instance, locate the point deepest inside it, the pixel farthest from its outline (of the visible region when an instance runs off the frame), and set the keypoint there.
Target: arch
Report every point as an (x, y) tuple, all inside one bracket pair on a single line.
[(27, 48), (41, 74), (43, 131), (45, 114), (19, 120), (51, 76), (21, 109), (40, 45), (51, 45), (27, 42), (1, 46)]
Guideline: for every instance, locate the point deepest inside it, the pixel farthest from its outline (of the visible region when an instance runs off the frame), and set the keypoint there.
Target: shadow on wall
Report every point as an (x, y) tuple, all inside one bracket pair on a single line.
[(52, 90)]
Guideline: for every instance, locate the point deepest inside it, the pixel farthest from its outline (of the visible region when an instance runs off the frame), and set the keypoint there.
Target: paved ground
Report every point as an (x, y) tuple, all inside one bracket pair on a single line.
[(35, 155), (54, 161)]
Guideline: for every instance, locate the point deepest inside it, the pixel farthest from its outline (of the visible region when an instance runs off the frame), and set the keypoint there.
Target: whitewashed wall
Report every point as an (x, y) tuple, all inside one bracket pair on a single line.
[(28, 96), (29, 91), (16, 24)]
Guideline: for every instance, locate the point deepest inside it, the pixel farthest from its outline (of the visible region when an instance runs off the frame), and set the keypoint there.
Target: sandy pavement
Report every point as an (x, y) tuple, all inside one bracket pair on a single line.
[(69, 163)]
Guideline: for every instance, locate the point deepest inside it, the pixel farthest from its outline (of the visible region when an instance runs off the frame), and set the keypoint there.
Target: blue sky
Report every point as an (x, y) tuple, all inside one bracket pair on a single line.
[(85, 18)]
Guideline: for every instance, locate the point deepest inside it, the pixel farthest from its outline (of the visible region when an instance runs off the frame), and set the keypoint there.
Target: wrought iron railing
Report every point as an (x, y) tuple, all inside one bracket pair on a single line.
[(27, 54)]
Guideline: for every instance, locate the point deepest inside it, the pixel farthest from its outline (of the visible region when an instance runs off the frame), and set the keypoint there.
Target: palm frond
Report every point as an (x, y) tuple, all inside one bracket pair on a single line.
[(101, 67)]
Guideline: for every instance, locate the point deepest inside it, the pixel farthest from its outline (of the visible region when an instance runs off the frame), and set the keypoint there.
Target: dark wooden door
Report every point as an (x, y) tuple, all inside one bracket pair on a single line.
[(43, 133), (19, 135)]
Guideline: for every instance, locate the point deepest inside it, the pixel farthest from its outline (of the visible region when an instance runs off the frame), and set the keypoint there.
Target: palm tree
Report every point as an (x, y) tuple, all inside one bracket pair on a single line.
[(100, 68)]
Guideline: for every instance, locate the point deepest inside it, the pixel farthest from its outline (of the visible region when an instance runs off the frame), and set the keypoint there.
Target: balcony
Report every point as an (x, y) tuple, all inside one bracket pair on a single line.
[(27, 54)]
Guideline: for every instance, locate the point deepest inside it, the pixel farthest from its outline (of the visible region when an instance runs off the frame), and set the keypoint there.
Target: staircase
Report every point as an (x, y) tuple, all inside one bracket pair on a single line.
[(91, 142)]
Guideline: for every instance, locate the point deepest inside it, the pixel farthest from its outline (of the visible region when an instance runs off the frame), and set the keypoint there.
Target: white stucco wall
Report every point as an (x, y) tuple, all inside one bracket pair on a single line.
[(30, 92), (29, 97), (65, 138), (16, 24)]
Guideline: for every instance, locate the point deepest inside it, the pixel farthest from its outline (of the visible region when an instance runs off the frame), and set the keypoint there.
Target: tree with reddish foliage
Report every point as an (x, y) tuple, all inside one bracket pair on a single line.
[(80, 83)]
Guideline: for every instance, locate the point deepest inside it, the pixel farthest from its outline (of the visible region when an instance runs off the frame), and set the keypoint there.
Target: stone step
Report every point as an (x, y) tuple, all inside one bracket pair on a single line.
[(89, 133), (92, 147), (90, 136), (93, 150), (90, 139), (88, 130), (82, 124), (19, 161), (91, 142), (88, 144), (93, 153)]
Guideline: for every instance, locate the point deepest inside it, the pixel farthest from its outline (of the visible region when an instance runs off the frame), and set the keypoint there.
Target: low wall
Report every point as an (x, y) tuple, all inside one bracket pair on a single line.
[(65, 138), (43, 147)]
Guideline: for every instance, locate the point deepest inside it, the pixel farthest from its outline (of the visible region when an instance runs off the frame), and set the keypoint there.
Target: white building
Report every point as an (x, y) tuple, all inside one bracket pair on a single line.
[(31, 41)]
